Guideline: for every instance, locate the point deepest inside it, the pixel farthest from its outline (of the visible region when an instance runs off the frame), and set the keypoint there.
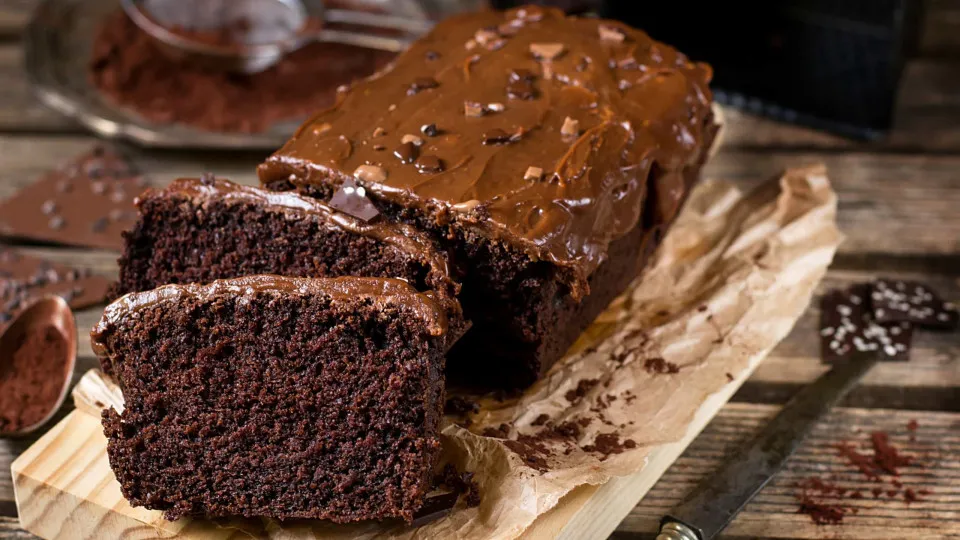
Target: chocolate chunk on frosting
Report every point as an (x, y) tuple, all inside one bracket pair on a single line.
[(549, 67)]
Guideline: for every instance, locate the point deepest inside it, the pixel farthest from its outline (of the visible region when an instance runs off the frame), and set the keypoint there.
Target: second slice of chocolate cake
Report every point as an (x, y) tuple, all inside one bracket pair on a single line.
[(197, 230), (267, 396)]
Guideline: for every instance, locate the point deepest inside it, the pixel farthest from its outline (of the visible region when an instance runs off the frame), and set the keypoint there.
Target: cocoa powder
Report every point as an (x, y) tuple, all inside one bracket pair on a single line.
[(30, 384), (129, 69)]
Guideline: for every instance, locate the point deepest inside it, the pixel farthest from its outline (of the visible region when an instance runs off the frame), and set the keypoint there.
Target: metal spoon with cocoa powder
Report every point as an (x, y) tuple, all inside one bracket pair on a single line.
[(38, 351)]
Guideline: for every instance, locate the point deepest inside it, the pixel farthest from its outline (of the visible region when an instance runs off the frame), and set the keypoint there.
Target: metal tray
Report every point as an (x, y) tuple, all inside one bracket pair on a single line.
[(57, 48)]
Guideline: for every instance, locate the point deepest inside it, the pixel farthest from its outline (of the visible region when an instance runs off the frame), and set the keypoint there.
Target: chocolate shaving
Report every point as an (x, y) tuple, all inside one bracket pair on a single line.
[(351, 199), (429, 164), (407, 152), (659, 366), (420, 84), (496, 136)]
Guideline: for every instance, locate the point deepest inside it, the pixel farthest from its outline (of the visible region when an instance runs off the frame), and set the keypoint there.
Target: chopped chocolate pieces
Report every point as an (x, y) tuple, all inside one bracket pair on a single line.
[(420, 84), (608, 444), (896, 300), (24, 278), (533, 455), (611, 34), (429, 164), (570, 128), (496, 136), (407, 152), (461, 484), (522, 75), (659, 366), (352, 199), (68, 204), (540, 420), (846, 326), (485, 35), (370, 173), (472, 109), (410, 138), (521, 85), (584, 386), (500, 432), (533, 174), (430, 130), (547, 51)]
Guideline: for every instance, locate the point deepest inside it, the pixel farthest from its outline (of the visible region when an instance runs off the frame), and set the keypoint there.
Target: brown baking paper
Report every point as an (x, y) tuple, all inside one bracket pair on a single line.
[(732, 277)]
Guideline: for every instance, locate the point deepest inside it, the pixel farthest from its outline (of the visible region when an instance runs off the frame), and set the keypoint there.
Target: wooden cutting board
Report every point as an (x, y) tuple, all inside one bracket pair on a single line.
[(65, 489)]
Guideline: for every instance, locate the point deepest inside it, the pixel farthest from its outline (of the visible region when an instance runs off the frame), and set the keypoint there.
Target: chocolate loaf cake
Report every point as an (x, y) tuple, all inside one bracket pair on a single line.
[(546, 154), (267, 396)]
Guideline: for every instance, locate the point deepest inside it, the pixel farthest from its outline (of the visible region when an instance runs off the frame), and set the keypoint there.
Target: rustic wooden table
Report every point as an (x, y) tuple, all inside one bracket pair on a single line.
[(900, 210)]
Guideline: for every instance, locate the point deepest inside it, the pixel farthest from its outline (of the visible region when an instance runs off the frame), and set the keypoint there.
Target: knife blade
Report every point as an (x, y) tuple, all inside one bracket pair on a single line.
[(716, 501)]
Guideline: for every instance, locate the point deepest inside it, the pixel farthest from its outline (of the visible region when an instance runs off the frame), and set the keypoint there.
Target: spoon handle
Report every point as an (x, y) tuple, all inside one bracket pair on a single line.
[(377, 20), (359, 39)]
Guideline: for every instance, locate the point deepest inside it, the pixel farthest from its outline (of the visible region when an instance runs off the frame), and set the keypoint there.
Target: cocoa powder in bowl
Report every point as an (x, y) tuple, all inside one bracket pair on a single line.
[(32, 380), (129, 69)]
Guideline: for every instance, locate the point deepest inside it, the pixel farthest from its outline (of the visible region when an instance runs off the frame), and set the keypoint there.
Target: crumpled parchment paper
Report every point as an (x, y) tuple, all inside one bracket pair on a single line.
[(732, 277)]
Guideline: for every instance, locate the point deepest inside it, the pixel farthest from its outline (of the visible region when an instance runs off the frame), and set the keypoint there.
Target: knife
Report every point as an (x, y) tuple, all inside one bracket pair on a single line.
[(715, 502)]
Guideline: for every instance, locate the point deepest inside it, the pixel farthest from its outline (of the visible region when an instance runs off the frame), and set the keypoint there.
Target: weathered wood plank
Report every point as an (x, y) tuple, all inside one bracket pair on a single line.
[(10, 530), (14, 15), (773, 514), (889, 203), (20, 110)]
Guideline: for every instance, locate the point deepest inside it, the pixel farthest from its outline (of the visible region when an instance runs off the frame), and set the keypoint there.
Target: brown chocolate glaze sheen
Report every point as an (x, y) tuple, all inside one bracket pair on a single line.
[(594, 186), (404, 237), (382, 291)]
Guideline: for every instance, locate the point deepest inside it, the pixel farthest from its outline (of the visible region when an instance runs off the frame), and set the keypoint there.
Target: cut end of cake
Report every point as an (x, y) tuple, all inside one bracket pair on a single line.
[(276, 397)]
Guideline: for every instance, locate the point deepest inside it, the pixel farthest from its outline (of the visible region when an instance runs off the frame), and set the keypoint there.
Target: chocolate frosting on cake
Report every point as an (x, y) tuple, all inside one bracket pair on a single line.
[(381, 291), (404, 237), (536, 128)]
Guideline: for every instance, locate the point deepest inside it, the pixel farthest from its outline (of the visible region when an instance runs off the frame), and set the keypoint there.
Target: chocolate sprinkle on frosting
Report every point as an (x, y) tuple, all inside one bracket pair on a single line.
[(421, 84), (429, 164), (407, 152), (351, 199)]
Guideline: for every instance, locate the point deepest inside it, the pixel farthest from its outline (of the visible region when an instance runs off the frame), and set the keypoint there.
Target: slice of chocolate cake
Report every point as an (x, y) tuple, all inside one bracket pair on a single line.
[(267, 396), (547, 154), (199, 230)]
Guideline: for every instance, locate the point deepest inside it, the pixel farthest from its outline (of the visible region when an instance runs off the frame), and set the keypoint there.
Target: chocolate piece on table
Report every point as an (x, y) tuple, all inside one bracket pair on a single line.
[(24, 278), (88, 202), (911, 301), (544, 257), (846, 326)]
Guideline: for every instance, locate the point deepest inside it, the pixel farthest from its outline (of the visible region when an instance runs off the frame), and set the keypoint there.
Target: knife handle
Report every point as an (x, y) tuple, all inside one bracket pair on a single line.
[(674, 530)]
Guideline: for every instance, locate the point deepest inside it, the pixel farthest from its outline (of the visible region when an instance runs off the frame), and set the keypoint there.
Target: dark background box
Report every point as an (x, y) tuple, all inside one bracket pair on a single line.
[(829, 64)]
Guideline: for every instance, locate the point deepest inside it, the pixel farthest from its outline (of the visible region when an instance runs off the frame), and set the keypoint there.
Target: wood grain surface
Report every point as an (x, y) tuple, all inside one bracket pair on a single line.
[(899, 207)]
